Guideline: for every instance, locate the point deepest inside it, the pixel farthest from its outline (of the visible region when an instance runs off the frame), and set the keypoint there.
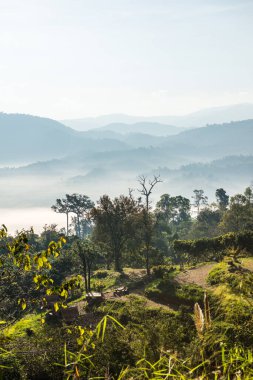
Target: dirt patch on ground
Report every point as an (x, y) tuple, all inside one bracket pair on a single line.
[(196, 276), (135, 274), (248, 263)]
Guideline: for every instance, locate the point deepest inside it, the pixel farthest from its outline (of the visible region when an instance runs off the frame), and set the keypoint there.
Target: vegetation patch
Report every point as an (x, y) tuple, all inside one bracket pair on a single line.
[(218, 274), (31, 323)]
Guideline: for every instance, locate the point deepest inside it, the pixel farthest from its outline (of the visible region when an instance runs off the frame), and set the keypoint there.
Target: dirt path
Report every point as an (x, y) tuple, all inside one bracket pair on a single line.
[(196, 276)]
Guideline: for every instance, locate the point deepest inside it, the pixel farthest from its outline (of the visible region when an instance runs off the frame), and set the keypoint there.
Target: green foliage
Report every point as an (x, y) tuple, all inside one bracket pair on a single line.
[(160, 271), (19, 329), (215, 248), (217, 274), (147, 335), (189, 293), (168, 291), (101, 274)]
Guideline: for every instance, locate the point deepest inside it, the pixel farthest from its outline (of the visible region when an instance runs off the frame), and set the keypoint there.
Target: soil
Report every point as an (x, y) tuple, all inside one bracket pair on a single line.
[(196, 276)]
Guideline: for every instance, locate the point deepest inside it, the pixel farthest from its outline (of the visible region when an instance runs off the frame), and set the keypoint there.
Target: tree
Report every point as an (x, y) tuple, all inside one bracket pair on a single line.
[(222, 199), (248, 193), (239, 216), (146, 189), (199, 199), (164, 208), (24, 272), (84, 226), (114, 224), (206, 224), (79, 205), (88, 253), (49, 233), (173, 209), (63, 207)]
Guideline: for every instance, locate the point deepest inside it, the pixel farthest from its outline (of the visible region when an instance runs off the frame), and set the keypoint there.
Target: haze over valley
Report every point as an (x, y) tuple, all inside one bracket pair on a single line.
[(48, 159)]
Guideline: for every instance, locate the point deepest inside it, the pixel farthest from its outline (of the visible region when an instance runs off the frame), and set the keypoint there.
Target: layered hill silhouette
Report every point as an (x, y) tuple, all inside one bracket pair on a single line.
[(26, 138), (218, 115), (59, 159)]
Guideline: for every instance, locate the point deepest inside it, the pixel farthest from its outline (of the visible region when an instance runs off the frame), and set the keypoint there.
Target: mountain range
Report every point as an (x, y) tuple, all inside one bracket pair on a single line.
[(42, 159), (214, 115)]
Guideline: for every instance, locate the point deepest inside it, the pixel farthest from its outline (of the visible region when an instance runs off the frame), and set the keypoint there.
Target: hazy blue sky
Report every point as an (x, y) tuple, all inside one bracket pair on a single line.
[(75, 58)]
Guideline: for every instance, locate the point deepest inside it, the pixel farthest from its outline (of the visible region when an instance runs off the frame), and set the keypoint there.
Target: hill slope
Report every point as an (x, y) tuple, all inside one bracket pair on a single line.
[(26, 138)]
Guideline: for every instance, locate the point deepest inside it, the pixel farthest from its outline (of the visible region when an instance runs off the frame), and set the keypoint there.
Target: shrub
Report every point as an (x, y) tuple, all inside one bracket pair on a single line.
[(101, 274), (153, 293), (217, 275), (159, 271), (190, 293), (98, 286)]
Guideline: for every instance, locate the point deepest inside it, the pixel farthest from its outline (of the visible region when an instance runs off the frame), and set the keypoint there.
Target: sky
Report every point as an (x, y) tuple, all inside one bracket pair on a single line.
[(77, 58)]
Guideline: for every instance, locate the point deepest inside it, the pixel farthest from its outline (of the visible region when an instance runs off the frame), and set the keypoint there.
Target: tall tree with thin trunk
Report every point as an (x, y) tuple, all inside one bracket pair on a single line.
[(79, 205), (147, 186), (88, 253), (222, 199), (199, 199), (63, 207)]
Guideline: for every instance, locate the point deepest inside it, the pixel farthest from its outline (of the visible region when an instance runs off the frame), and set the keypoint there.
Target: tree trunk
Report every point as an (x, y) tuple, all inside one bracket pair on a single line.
[(89, 287), (85, 276), (67, 224), (147, 262), (117, 263), (78, 226)]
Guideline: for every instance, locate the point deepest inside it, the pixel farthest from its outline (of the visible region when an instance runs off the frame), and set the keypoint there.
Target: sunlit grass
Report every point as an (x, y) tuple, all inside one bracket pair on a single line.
[(18, 329)]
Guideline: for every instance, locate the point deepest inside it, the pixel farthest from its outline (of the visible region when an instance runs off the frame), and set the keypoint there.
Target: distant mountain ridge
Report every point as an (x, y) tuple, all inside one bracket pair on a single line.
[(26, 138), (153, 128), (102, 161), (200, 118)]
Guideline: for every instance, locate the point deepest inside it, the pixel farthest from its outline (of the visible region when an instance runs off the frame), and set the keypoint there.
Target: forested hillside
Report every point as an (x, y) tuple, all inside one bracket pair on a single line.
[(131, 290)]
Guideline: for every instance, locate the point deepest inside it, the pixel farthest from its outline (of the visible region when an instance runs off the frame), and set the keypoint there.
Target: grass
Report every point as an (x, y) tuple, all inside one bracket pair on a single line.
[(217, 274), (18, 329), (110, 281), (247, 262)]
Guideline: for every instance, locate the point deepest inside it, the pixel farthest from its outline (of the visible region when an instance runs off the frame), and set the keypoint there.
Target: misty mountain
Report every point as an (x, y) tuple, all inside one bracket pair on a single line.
[(152, 128), (34, 188), (26, 138), (137, 152), (110, 162), (214, 115), (214, 141)]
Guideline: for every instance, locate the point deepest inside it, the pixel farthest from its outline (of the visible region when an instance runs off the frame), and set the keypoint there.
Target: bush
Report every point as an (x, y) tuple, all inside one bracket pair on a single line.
[(153, 293), (101, 274), (98, 286), (190, 293), (217, 275), (159, 271)]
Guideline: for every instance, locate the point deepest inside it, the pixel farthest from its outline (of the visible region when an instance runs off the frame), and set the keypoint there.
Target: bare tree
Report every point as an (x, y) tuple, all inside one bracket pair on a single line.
[(147, 186)]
